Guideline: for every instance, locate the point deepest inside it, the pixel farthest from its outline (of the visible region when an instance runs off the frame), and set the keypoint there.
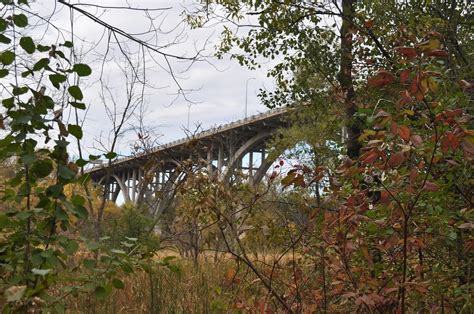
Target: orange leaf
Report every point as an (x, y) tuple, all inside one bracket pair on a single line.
[(404, 132)]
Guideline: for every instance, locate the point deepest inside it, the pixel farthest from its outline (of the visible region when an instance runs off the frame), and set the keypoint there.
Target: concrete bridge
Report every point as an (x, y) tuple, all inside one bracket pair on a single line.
[(225, 153)]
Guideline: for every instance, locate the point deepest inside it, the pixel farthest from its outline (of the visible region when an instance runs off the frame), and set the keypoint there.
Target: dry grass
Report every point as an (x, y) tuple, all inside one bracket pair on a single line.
[(205, 289)]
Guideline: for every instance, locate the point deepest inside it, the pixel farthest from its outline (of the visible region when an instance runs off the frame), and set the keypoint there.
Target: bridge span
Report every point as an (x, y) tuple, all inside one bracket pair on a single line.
[(223, 152)]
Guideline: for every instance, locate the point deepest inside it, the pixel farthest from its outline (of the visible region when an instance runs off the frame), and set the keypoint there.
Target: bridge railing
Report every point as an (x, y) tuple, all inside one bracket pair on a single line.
[(203, 134)]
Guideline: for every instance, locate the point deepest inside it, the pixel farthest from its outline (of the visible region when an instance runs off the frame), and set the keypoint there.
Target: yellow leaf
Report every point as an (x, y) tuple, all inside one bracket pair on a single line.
[(433, 43), (366, 134)]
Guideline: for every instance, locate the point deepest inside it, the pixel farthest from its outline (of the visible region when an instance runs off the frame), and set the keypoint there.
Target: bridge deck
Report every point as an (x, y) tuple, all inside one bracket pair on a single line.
[(253, 124)]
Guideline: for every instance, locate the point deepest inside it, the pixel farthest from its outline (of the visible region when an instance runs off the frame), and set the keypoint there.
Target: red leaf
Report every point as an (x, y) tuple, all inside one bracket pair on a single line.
[(413, 176), (404, 76), (404, 132), (408, 52), (430, 186), (394, 128), (382, 78), (282, 162), (370, 156), (453, 140), (384, 197), (273, 175), (437, 53), (404, 99), (369, 24), (416, 140), (396, 160)]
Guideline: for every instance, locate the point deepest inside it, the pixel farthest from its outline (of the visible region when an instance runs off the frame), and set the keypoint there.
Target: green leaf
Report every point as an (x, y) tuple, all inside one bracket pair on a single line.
[(65, 173), (100, 292), (55, 191), (42, 63), (57, 79), (26, 73), (71, 247), (20, 90), (67, 44), (42, 48), (78, 200), (4, 39), (40, 272), (8, 102), (78, 105), (81, 212), (81, 162), (20, 20), (8, 57), (3, 73), (61, 214), (117, 283), (92, 246), (75, 130), (3, 25), (28, 158), (94, 157), (41, 168), (4, 221), (82, 69), (75, 92), (89, 264), (110, 155), (60, 308), (27, 44)]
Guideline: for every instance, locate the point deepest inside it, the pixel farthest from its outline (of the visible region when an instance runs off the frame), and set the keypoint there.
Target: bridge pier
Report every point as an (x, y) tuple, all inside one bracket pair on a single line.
[(219, 151)]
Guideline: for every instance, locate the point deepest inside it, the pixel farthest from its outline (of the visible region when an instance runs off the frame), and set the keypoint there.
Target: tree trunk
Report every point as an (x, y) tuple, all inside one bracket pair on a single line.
[(346, 80)]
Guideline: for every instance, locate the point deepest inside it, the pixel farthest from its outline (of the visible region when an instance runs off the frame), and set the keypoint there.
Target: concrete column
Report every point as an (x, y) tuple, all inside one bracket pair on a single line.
[(250, 163), (209, 161), (220, 160), (134, 184)]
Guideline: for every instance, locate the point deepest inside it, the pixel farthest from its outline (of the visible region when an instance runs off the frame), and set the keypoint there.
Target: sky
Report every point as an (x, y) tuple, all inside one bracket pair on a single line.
[(217, 87)]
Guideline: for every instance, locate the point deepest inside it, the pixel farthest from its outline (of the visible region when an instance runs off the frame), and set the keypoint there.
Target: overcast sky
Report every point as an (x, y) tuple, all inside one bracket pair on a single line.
[(219, 85)]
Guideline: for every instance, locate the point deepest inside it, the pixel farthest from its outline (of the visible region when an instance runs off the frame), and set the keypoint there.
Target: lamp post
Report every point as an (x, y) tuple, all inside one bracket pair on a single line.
[(189, 113), (246, 93)]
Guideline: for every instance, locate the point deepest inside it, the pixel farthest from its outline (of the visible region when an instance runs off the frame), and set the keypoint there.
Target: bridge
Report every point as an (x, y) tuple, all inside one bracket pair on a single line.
[(226, 153)]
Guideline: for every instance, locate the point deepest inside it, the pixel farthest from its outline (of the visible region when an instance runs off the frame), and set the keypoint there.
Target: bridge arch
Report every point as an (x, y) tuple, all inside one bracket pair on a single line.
[(243, 149), (122, 187)]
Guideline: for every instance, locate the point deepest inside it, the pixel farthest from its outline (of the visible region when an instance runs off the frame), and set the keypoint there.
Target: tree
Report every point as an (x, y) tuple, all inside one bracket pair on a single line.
[(340, 43), (395, 71), (48, 197)]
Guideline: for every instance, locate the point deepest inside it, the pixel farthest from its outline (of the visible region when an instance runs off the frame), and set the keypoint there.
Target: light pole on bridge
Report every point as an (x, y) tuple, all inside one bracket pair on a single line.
[(246, 94)]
